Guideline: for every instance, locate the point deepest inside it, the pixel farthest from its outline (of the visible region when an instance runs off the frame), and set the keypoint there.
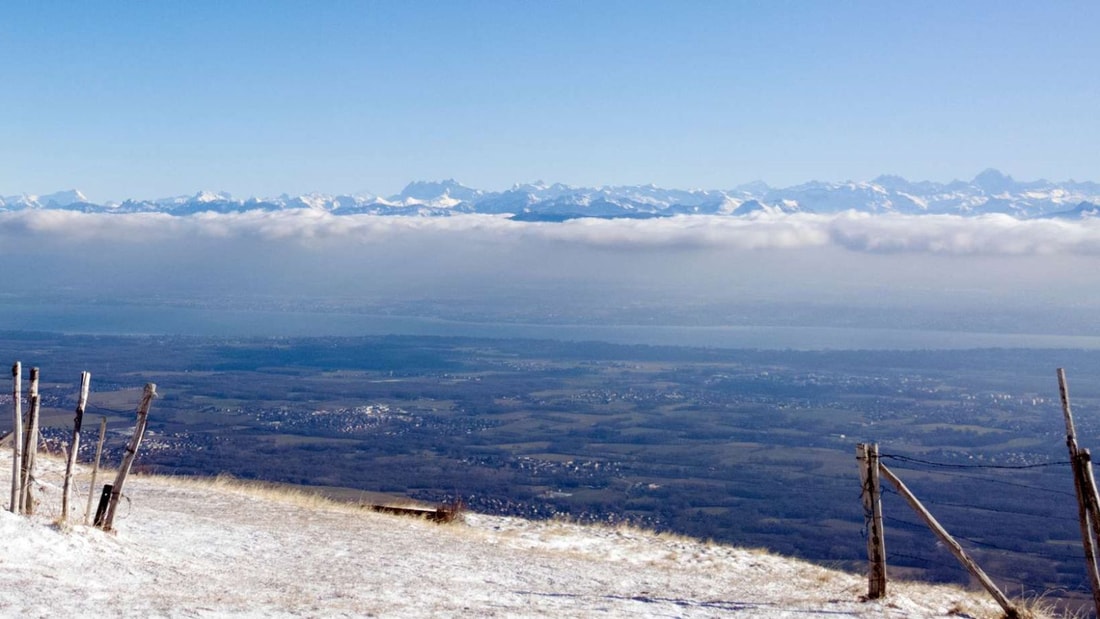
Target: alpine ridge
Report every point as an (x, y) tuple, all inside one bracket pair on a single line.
[(990, 192)]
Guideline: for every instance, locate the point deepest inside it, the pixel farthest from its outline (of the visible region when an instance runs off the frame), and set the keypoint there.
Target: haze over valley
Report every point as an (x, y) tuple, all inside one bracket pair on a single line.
[(817, 255)]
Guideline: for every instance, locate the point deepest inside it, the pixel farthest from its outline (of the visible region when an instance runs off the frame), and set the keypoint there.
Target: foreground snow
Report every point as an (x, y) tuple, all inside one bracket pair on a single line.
[(185, 548)]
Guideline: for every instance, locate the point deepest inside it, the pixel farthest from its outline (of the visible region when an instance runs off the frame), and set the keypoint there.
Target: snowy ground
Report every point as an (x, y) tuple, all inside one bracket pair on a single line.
[(186, 548)]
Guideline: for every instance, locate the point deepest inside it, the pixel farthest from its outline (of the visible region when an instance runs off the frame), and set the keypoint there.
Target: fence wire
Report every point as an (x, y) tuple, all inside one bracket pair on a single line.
[(1023, 535)]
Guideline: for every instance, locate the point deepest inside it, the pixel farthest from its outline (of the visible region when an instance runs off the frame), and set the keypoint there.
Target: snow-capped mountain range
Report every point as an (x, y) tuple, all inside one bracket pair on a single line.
[(988, 192)]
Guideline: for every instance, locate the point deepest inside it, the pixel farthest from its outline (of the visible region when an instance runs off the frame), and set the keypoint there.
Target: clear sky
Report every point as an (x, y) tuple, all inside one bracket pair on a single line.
[(149, 99)]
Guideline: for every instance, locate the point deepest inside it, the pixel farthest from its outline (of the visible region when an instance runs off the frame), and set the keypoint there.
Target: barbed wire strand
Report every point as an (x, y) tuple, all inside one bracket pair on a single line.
[(947, 465), (902, 555), (932, 561), (998, 510), (998, 481), (1028, 552), (1019, 551)]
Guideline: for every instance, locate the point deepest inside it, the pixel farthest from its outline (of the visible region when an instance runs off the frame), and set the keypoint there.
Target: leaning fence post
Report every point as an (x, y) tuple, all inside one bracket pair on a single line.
[(95, 468), (1080, 487), (131, 453), (952, 545), (1092, 501), (82, 401), (872, 509), (17, 438)]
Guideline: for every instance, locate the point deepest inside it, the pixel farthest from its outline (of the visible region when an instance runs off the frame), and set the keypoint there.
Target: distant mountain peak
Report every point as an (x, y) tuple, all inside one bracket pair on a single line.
[(432, 190), (993, 181), (892, 182), (63, 198), (538, 185), (211, 196)]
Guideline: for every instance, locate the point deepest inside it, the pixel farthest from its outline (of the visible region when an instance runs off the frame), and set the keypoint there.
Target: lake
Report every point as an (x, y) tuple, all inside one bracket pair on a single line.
[(125, 319)]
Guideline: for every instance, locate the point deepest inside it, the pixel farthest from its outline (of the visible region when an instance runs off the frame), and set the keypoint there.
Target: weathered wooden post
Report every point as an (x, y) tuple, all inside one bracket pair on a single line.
[(1010, 611), (101, 509), (30, 451), (1092, 500), (1079, 486), (872, 507), (95, 468), (17, 438), (131, 453), (82, 401), (30, 447)]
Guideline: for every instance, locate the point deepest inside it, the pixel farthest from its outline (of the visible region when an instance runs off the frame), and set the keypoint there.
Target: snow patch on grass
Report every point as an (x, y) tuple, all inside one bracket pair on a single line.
[(204, 548)]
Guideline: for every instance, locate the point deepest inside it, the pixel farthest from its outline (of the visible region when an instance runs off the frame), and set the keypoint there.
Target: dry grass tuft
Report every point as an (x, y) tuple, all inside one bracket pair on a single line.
[(1043, 607), (292, 495), (315, 499), (63, 526), (633, 530)]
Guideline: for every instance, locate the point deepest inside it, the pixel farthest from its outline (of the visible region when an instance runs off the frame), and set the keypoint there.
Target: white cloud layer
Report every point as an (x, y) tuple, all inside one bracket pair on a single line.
[(991, 235), (890, 269)]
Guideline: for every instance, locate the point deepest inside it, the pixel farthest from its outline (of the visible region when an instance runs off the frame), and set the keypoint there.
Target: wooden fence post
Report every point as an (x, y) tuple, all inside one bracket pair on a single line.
[(1088, 487), (30, 453), (17, 438), (95, 468), (131, 453), (1081, 490), (101, 509), (30, 446), (82, 401), (872, 508), (952, 545)]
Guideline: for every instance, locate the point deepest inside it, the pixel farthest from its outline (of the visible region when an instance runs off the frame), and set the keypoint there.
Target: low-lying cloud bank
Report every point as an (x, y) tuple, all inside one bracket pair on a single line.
[(849, 269), (990, 235)]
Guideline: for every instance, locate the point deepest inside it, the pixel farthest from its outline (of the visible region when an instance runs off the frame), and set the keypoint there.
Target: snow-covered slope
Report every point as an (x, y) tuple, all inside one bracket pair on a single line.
[(184, 548)]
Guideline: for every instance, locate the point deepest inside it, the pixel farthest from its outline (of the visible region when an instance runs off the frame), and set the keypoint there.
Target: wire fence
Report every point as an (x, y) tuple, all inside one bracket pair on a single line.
[(1019, 521)]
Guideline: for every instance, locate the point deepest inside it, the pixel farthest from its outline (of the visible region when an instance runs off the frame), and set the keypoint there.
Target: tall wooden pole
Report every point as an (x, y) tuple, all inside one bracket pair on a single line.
[(17, 438), (95, 468), (131, 453), (82, 401), (952, 545), (872, 507), (1067, 414), (1080, 487), (30, 445)]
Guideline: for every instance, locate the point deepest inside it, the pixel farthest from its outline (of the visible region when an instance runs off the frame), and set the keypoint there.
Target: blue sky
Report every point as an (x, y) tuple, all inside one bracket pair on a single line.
[(149, 99)]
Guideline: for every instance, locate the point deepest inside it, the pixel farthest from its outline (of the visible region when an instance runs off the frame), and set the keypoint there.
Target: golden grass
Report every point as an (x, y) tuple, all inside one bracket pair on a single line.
[(1042, 607), (298, 496), (306, 497)]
